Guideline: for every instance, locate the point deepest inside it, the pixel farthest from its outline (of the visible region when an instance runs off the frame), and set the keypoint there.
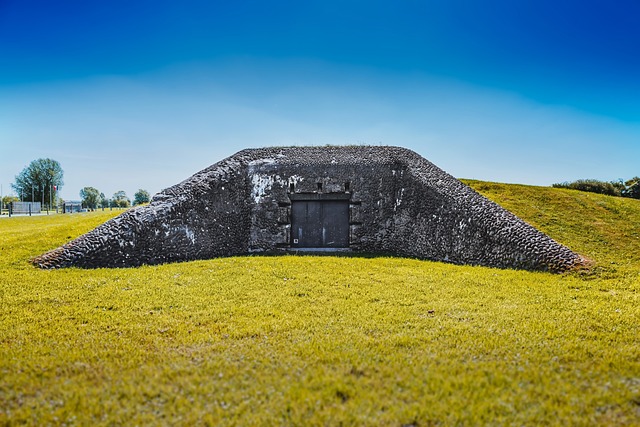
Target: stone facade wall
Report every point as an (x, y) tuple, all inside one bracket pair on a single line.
[(399, 203)]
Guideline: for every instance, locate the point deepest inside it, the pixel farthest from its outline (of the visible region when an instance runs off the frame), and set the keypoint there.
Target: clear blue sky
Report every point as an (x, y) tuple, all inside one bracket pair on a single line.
[(142, 94)]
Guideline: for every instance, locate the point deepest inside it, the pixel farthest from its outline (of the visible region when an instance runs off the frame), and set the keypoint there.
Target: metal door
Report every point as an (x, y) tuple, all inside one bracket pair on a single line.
[(320, 224)]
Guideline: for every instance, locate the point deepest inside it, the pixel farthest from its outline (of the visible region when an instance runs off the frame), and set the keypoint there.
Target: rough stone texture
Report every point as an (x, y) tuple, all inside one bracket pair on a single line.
[(399, 203)]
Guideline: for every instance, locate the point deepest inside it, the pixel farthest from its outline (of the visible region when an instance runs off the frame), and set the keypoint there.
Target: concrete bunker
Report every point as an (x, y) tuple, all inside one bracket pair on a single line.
[(360, 199)]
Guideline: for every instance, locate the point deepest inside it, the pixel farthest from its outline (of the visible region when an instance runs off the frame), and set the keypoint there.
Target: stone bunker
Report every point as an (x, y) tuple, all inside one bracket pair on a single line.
[(377, 200)]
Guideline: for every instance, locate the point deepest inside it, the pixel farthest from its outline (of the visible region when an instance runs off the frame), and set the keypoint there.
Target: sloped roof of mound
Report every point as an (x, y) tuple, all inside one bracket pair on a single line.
[(399, 203)]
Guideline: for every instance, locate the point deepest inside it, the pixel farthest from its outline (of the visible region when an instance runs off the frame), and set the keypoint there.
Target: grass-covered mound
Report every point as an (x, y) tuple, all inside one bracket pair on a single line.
[(324, 340)]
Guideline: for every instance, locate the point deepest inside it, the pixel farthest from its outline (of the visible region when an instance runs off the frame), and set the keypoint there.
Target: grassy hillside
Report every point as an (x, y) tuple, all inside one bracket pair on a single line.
[(603, 228), (327, 340)]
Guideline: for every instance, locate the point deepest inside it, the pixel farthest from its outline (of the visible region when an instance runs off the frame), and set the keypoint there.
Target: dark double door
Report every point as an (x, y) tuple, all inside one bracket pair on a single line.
[(320, 224)]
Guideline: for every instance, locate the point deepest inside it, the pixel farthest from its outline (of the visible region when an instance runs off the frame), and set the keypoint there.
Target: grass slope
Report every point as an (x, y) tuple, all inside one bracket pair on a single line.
[(327, 340)]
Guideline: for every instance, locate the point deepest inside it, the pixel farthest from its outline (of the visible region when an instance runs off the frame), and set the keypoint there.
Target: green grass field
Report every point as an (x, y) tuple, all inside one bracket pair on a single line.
[(305, 340)]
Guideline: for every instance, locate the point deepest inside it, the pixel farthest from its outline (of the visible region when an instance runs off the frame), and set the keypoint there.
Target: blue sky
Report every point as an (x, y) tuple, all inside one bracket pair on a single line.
[(142, 94)]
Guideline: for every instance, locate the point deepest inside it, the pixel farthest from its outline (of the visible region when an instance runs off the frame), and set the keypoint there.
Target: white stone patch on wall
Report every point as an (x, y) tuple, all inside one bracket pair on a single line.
[(295, 179), (258, 162), (190, 234), (260, 185), (400, 194), (184, 229)]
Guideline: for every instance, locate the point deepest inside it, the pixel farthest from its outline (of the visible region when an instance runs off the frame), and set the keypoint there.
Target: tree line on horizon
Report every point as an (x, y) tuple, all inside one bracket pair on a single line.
[(92, 199), (42, 179), (620, 188)]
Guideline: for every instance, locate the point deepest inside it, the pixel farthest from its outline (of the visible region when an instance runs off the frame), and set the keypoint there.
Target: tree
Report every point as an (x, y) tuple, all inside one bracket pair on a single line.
[(632, 188), (120, 200), (90, 197), (8, 199), (39, 181), (104, 202), (142, 196)]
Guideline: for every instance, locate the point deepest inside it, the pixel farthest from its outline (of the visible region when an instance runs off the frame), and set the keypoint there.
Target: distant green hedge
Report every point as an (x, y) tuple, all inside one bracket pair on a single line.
[(630, 188)]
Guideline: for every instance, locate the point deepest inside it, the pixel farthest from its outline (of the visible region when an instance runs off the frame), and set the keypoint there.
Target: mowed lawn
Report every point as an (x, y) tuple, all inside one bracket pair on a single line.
[(306, 340)]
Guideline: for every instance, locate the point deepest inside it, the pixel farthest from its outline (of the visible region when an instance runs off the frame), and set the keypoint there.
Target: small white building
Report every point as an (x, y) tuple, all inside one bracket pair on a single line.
[(72, 206)]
